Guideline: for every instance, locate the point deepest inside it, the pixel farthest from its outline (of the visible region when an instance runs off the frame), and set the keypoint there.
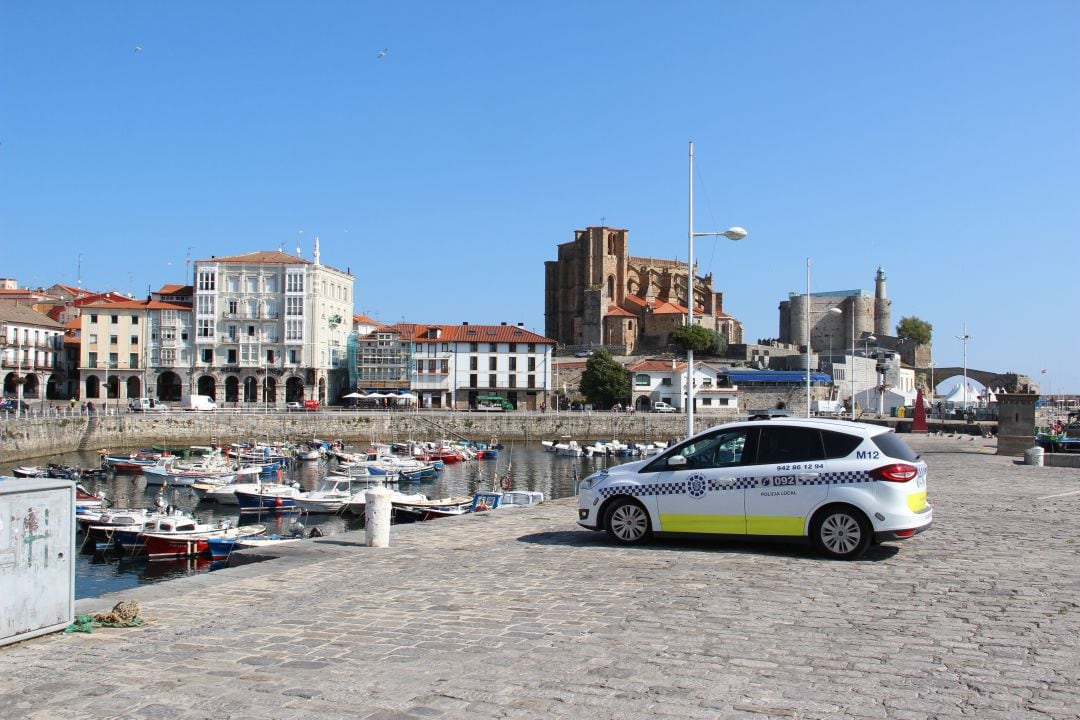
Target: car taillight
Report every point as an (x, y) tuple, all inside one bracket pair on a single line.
[(897, 472)]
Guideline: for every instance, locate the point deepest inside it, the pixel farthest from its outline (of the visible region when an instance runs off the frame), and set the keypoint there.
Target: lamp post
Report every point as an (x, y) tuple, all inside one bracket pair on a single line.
[(964, 338), (807, 337), (732, 233), (851, 367), (866, 353)]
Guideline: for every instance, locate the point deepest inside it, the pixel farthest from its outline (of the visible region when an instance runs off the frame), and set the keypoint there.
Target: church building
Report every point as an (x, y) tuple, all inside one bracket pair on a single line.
[(597, 294)]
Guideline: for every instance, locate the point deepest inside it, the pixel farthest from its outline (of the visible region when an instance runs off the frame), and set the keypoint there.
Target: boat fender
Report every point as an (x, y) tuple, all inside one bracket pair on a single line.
[(505, 482), (315, 532), (481, 507)]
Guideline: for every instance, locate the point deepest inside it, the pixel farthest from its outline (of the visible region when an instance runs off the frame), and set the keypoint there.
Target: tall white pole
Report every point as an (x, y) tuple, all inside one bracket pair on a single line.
[(852, 359), (690, 301), (965, 338), (808, 337)]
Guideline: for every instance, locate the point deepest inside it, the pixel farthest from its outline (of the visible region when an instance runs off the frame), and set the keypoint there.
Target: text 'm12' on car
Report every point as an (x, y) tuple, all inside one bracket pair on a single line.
[(843, 485)]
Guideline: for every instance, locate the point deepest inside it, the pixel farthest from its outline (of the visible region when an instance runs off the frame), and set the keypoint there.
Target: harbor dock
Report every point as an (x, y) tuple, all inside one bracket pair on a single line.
[(523, 614)]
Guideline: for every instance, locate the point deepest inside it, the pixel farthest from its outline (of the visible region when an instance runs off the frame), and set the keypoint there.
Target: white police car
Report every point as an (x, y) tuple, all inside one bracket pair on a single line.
[(840, 483)]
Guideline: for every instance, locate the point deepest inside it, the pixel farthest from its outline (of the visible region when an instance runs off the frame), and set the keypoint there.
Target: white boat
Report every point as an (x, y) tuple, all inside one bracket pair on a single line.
[(358, 502), (330, 497), (569, 447), (520, 498), (549, 445), (224, 493)]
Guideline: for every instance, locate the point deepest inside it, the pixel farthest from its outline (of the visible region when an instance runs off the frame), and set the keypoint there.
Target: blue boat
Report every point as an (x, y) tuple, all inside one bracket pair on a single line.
[(283, 501)]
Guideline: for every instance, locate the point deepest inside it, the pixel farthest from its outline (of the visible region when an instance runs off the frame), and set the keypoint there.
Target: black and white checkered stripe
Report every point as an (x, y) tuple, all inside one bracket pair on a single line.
[(847, 477)]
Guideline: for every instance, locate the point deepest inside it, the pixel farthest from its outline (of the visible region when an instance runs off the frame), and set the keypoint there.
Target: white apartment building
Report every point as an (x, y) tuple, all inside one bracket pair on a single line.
[(269, 328), (457, 366), (665, 381), (30, 345)]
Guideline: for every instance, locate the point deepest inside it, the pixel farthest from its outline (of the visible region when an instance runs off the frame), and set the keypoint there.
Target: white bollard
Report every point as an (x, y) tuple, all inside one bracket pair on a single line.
[(1034, 456), (377, 516)]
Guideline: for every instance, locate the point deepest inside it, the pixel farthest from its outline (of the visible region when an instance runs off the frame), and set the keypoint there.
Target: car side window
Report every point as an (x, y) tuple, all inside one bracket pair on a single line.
[(838, 444), (782, 445), (721, 449)]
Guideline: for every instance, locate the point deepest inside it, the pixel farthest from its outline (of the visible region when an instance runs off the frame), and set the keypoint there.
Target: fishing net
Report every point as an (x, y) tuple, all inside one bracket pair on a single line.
[(123, 614)]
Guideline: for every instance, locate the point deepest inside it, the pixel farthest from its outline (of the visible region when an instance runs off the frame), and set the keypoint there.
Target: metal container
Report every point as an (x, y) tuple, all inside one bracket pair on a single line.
[(37, 557)]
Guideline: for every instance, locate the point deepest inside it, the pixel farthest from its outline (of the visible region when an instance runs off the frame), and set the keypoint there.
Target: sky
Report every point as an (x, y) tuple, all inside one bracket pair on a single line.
[(938, 141)]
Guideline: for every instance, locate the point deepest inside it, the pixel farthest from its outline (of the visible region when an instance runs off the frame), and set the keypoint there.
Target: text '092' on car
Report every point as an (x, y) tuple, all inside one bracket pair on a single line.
[(842, 485)]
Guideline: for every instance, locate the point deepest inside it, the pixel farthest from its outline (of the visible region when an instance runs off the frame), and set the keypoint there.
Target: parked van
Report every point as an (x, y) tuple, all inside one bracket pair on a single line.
[(198, 402), (146, 404)]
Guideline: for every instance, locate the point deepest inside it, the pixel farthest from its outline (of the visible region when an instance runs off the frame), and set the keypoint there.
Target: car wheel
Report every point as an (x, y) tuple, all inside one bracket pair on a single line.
[(841, 533), (627, 522)]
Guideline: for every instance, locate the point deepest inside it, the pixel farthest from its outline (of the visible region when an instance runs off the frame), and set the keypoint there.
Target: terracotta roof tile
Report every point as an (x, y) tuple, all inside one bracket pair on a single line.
[(657, 366), (471, 333), (260, 256), (616, 311)]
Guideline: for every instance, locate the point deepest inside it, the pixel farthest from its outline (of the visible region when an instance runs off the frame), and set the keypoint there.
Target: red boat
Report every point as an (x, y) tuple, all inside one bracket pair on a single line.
[(166, 545)]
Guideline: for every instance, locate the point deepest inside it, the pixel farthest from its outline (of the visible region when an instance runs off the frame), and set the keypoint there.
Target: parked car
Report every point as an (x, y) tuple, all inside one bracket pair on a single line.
[(294, 405), (662, 407), (146, 404), (311, 404), (583, 353), (841, 485), (12, 404)]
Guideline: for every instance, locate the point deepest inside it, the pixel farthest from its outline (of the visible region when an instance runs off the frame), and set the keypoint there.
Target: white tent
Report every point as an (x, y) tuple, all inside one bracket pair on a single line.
[(871, 401), (959, 397)]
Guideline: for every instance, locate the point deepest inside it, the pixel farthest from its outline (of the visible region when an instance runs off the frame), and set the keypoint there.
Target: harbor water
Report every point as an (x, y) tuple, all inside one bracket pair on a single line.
[(97, 573)]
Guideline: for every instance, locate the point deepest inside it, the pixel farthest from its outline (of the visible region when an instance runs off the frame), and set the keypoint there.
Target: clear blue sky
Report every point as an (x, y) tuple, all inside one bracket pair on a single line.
[(938, 140)]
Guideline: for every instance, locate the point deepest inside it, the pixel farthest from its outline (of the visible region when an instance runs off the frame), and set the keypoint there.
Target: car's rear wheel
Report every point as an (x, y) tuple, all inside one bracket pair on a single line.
[(840, 532), (626, 522)]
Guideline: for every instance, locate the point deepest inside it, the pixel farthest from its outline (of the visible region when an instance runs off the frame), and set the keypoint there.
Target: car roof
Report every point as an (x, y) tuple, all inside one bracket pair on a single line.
[(845, 426)]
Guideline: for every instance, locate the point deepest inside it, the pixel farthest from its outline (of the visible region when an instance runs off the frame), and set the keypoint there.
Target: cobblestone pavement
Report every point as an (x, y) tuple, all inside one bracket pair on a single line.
[(525, 615)]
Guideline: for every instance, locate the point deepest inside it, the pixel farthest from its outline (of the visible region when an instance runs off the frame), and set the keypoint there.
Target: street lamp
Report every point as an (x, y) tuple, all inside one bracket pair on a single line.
[(732, 233), (866, 355), (965, 337), (851, 367)]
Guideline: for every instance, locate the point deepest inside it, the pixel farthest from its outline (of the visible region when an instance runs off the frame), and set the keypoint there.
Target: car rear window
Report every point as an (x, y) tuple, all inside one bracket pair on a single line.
[(838, 444), (891, 445)]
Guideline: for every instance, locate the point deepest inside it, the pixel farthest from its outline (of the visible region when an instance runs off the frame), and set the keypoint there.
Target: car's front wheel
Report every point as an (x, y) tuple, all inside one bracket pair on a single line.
[(626, 522), (840, 532)]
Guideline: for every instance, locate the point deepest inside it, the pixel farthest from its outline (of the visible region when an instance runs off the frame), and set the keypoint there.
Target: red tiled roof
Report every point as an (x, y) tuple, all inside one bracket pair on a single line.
[(365, 320), (127, 304), (260, 256), (662, 307), (616, 311), (657, 366), (470, 333), (105, 297), (174, 289)]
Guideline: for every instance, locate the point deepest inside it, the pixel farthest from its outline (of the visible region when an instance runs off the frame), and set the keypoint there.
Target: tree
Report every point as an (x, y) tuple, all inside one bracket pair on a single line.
[(912, 328), (719, 343), (692, 337), (605, 381)]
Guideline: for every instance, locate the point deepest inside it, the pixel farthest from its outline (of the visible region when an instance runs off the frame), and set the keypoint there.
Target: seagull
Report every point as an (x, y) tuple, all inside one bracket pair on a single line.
[(138, 48), (381, 53)]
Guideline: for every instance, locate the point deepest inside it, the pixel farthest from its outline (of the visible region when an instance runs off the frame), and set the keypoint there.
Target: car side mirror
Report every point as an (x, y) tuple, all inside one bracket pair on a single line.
[(676, 461)]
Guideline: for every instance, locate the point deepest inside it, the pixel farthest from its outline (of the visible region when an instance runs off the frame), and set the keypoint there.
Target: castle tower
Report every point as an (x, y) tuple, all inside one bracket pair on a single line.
[(882, 305)]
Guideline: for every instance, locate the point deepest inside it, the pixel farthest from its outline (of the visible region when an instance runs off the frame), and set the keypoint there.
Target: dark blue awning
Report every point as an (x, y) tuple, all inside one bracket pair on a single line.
[(793, 377)]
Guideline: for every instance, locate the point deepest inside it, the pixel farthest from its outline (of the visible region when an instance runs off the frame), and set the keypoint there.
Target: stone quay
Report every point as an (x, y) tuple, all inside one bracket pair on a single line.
[(34, 437), (525, 615)]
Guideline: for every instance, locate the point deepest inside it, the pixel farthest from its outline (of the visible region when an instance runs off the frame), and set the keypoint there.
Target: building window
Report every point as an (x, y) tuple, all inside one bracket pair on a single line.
[(531, 365), (665, 381), (207, 280), (513, 364), (91, 360), (134, 339), (472, 380), (294, 282), (134, 319), (294, 306), (205, 329), (114, 319), (474, 347), (642, 379), (532, 381), (207, 356), (491, 380), (493, 363), (114, 360), (93, 339), (93, 317), (230, 356), (293, 357), (532, 347), (133, 360), (512, 381), (112, 339), (473, 363)]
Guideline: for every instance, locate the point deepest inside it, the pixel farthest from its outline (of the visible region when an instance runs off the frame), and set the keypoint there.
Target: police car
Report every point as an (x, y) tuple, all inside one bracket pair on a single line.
[(844, 485)]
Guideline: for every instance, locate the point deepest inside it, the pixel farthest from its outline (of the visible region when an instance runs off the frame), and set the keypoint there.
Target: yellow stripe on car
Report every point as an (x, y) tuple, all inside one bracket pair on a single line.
[(916, 501), (719, 524), (771, 525)]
